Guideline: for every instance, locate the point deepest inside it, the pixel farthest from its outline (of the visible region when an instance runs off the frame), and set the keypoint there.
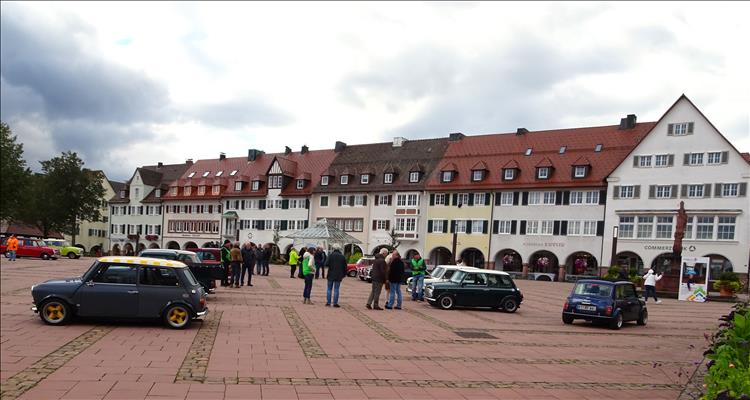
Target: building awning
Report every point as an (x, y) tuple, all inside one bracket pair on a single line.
[(229, 214)]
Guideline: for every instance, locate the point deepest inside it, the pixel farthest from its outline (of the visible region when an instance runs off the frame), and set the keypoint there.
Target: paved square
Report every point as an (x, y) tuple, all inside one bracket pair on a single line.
[(262, 342)]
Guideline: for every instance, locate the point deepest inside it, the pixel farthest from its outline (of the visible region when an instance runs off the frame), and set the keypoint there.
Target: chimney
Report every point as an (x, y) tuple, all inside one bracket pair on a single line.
[(287, 150), (305, 149), (398, 141), (160, 164), (522, 131), (340, 146), (253, 154), (627, 122), (222, 156), (189, 161), (455, 136)]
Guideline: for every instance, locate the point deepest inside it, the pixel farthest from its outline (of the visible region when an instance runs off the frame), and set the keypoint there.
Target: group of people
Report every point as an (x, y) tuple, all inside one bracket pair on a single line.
[(388, 270), (312, 262), (239, 262)]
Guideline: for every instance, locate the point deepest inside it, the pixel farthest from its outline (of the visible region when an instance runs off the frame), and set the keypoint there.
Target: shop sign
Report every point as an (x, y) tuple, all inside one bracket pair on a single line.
[(544, 244), (667, 247), (691, 268)]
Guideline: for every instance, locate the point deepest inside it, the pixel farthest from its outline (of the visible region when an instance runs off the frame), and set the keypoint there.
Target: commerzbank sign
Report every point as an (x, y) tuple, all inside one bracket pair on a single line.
[(666, 247)]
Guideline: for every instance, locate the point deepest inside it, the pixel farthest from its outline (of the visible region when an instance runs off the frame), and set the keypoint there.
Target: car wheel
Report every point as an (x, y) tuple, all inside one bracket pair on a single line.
[(510, 304), (54, 312), (567, 319), (352, 274), (616, 321), (177, 316), (446, 302), (45, 256), (72, 255), (643, 318)]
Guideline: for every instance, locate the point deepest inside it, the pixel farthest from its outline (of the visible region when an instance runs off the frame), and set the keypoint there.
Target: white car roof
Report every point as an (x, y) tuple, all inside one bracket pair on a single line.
[(454, 267), (484, 271)]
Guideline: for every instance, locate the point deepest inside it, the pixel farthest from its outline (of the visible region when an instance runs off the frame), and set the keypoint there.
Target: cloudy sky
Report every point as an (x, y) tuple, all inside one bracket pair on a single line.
[(127, 84)]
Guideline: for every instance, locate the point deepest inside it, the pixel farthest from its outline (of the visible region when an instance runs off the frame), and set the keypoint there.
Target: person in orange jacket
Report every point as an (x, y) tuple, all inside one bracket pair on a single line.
[(12, 247)]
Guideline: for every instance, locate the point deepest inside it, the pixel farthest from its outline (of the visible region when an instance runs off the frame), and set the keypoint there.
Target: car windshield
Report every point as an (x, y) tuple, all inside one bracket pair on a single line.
[(58, 243), (437, 272), (593, 289), (163, 256), (458, 276)]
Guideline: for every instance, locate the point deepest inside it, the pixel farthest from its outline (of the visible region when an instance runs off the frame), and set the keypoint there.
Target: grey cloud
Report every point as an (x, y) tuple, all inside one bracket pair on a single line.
[(241, 112), (654, 37)]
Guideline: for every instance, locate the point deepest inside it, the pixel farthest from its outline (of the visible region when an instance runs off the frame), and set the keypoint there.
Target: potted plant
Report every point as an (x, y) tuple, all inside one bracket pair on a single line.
[(542, 263), (728, 283)]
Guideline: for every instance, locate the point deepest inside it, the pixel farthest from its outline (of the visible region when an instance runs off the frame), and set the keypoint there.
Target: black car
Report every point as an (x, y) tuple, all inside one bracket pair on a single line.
[(475, 288), (613, 303), (124, 288), (206, 272)]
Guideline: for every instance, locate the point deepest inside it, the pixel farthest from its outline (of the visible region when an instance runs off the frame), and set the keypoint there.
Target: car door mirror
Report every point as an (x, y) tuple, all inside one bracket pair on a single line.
[(89, 283)]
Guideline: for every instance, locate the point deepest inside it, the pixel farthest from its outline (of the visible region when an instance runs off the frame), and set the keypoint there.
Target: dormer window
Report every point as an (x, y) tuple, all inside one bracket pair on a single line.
[(122, 194), (157, 193), (233, 173), (477, 175), (344, 179), (192, 174), (388, 178), (255, 186), (528, 151), (186, 190), (414, 177), (364, 179), (238, 186), (447, 176), (598, 148), (205, 174), (219, 173), (274, 182), (300, 184), (579, 171), (201, 190), (215, 189), (509, 174), (562, 149), (542, 173), (173, 191), (324, 180)]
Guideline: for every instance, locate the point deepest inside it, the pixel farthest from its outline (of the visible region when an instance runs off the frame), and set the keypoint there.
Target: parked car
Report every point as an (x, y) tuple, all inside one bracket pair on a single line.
[(28, 247), (208, 255), (124, 288), (439, 273), (207, 273), (473, 287), (613, 303), (64, 247), (364, 266)]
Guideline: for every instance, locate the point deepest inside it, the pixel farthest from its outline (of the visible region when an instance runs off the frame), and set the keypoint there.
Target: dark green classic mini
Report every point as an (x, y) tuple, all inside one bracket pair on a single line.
[(472, 287)]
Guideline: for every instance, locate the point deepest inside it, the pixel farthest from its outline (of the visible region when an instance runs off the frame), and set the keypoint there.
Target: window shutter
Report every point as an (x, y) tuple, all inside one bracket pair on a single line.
[(743, 189), (468, 227), (498, 196), (690, 128), (670, 130), (453, 226), (651, 191), (445, 226), (374, 224), (558, 198), (707, 190), (262, 204), (635, 161), (717, 190), (484, 226), (513, 227), (566, 197), (242, 205), (556, 228), (306, 224), (364, 200), (724, 157), (455, 199), (516, 198), (686, 159), (683, 190), (670, 160), (351, 201), (522, 228), (340, 199), (429, 226), (284, 225), (525, 199), (564, 228), (471, 199), (602, 197), (637, 191), (227, 204), (495, 226), (307, 203), (599, 228), (487, 197), (674, 191), (390, 199), (261, 225), (432, 199), (285, 204), (377, 199)]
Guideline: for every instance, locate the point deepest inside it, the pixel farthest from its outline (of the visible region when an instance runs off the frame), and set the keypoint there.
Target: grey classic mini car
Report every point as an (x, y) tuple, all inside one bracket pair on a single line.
[(472, 287), (124, 288)]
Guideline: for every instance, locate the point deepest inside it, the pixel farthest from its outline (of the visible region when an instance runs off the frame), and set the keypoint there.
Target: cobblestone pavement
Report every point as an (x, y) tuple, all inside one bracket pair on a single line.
[(262, 342)]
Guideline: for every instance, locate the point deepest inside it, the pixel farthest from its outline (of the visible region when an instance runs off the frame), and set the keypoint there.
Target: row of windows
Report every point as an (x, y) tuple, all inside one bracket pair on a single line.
[(187, 190), (273, 224), (97, 232), (522, 227), (137, 194), (266, 204), (692, 159), (207, 173), (510, 174), (699, 227), (135, 210), (697, 190), (193, 226), (135, 229), (365, 179), (193, 209)]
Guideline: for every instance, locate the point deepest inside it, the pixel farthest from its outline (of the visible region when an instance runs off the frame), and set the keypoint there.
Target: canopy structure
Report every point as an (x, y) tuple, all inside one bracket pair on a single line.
[(324, 234)]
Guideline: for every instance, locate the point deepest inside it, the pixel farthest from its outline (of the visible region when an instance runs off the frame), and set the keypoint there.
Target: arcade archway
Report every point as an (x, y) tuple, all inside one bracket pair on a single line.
[(441, 256), (545, 262), (582, 263), (508, 260), (173, 245), (473, 257), (190, 245)]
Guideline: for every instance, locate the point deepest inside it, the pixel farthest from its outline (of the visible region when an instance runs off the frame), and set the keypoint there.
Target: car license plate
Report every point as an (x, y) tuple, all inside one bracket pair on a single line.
[(586, 308)]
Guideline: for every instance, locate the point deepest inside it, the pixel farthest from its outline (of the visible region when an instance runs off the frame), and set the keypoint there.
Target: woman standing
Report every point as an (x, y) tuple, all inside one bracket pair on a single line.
[(309, 274), (395, 276)]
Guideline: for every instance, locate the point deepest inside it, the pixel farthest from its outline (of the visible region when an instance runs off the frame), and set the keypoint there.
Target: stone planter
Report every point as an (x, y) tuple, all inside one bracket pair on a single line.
[(724, 291)]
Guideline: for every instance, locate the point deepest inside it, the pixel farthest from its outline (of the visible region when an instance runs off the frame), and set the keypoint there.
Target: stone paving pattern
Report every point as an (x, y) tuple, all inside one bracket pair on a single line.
[(262, 342)]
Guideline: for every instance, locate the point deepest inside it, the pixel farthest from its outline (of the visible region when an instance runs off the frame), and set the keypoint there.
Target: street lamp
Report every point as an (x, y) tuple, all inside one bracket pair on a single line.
[(615, 232)]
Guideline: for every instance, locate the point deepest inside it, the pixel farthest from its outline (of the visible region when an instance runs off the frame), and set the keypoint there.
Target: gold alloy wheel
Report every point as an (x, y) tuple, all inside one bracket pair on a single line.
[(178, 316), (54, 312)]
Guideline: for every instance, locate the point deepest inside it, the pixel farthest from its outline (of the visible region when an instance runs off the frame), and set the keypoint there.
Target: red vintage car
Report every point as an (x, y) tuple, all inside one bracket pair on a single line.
[(28, 247)]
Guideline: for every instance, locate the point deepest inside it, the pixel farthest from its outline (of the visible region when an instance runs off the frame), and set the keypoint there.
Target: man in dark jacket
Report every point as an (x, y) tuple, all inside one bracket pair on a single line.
[(320, 262), (395, 277), (378, 275), (226, 259), (336, 263), (248, 263)]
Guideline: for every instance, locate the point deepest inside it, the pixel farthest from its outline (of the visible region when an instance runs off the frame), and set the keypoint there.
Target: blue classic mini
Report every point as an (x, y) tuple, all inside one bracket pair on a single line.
[(603, 301)]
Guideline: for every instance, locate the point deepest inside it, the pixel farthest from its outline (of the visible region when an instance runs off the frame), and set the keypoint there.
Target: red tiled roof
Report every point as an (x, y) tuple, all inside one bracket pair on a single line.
[(480, 165), (545, 162), (581, 161), (313, 162), (199, 167), (746, 156), (507, 151)]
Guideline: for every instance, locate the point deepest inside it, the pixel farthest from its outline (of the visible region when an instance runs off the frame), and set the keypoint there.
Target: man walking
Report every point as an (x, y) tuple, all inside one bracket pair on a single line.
[(418, 270), (336, 263), (248, 264), (12, 247), (378, 278), (649, 284), (267, 251), (293, 260), (320, 261), (226, 260)]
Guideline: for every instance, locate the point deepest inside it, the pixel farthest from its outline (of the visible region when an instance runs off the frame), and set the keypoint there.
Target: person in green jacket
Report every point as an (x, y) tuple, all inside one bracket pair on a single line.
[(226, 259), (309, 273), (293, 260), (418, 270)]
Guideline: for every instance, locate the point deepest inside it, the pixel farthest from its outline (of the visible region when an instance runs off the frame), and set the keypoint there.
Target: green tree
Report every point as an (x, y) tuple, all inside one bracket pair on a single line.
[(14, 175), (394, 239)]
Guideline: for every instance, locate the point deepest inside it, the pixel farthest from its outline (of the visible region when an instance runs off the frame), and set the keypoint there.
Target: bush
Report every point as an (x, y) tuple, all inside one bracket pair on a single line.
[(612, 273), (354, 258), (729, 355), (728, 280)]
